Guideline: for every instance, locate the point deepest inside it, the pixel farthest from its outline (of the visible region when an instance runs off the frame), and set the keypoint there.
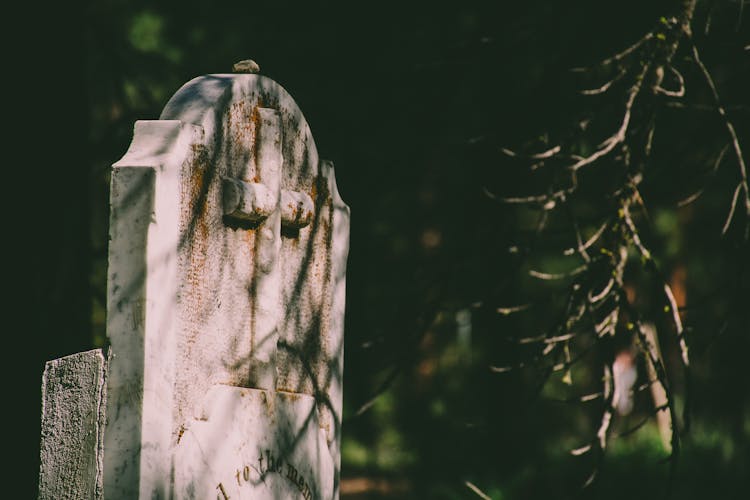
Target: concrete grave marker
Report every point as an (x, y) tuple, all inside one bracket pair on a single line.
[(226, 292)]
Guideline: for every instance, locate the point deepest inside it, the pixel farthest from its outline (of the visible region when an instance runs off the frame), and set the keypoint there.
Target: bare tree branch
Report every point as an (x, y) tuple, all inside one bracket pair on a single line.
[(680, 92), (619, 136), (477, 491), (557, 276), (605, 87), (537, 156), (734, 140), (582, 248), (690, 199), (512, 309), (732, 208), (620, 55)]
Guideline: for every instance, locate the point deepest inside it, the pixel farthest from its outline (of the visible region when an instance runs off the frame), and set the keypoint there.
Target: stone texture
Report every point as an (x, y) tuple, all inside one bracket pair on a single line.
[(200, 299), (142, 320), (72, 424), (253, 444)]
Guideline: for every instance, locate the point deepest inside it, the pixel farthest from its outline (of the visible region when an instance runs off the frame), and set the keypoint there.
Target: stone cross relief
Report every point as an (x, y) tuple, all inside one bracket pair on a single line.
[(226, 288)]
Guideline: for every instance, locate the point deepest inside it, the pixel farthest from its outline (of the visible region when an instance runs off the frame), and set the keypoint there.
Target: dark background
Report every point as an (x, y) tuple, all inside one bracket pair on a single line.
[(411, 100)]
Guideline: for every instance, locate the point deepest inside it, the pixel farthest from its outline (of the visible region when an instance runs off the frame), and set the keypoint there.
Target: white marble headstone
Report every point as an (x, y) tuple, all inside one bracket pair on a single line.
[(226, 292)]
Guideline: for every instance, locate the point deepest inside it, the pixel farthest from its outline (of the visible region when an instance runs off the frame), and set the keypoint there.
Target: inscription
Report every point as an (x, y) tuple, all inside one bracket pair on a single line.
[(269, 463), (222, 492)]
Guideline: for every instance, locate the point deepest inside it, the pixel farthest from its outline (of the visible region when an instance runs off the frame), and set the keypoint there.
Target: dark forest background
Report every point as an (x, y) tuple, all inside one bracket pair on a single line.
[(413, 101)]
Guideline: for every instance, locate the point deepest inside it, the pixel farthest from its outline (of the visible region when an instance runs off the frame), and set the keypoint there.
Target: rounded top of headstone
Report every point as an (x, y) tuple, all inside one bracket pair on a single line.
[(246, 66), (226, 107)]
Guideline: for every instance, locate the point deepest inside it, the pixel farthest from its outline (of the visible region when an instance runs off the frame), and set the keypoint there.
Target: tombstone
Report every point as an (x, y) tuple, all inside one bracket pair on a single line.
[(226, 288)]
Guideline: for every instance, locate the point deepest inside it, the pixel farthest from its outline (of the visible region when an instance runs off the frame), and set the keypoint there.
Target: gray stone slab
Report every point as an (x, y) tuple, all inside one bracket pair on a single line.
[(73, 395)]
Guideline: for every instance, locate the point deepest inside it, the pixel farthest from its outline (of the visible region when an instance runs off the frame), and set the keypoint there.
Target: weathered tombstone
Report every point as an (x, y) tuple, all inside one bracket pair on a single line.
[(226, 292), (72, 426)]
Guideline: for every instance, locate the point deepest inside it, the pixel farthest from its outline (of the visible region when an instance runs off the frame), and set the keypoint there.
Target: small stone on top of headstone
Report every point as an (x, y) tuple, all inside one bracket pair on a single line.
[(246, 66)]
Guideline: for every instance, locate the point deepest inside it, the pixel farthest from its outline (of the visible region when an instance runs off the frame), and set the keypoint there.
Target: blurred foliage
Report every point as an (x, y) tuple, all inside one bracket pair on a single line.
[(413, 101)]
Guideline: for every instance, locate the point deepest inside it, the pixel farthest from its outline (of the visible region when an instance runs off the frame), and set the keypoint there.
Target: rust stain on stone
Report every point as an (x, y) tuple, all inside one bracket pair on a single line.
[(314, 190), (180, 433), (196, 220), (289, 394), (256, 125)]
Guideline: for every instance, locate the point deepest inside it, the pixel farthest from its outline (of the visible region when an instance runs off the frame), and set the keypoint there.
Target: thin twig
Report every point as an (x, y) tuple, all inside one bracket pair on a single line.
[(649, 139), (680, 92), (643, 422), (619, 136), (739, 15), (645, 253), (677, 321), (690, 199), (703, 107), (537, 156), (604, 293), (599, 443), (476, 490), (608, 324), (547, 201), (603, 88), (505, 369), (732, 134), (668, 294), (505, 311), (589, 242), (732, 208), (619, 56), (395, 370), (658, 369), (557, 276), (579, 241), (586, 398), (545, 339)]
